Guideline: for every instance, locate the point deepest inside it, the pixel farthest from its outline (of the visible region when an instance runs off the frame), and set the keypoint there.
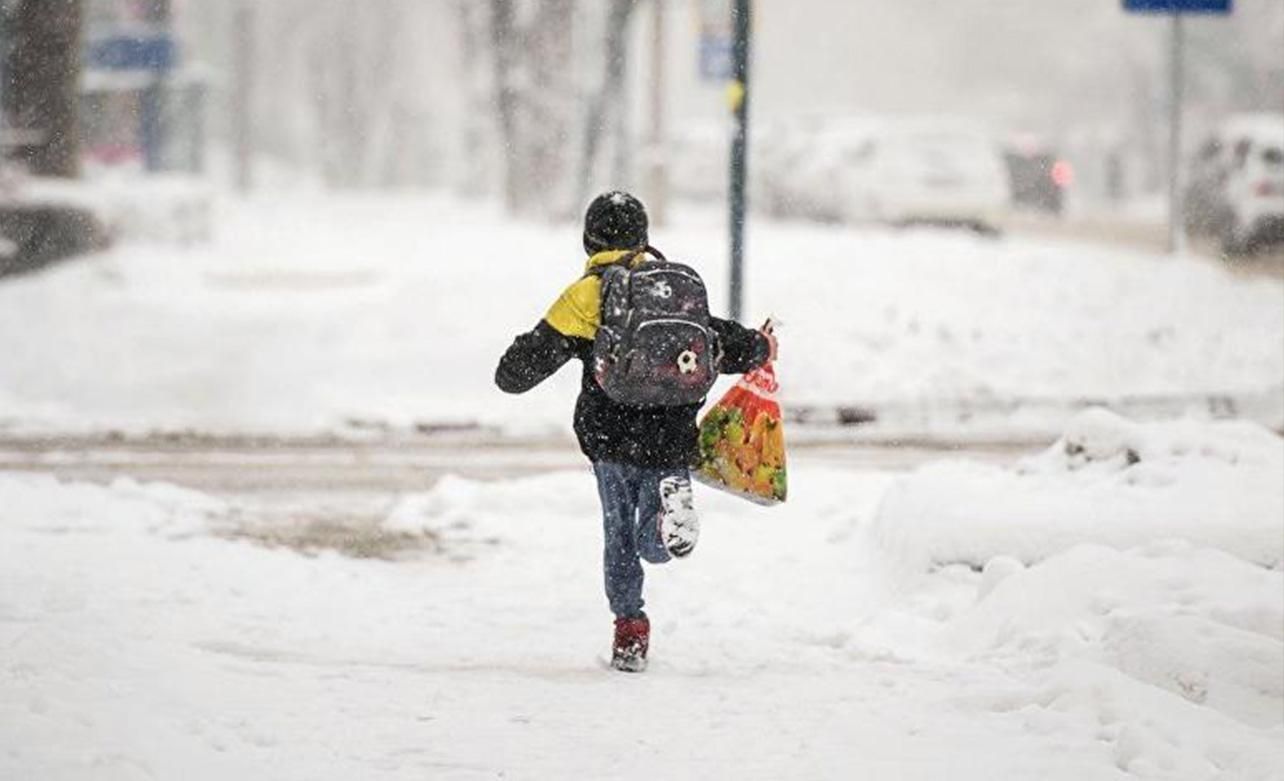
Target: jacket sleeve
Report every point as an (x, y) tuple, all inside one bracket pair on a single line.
[(532, 358), (743, 349)]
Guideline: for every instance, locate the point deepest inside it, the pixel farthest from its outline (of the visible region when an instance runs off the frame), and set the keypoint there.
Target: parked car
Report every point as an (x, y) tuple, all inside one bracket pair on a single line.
[(1235, 185), (1037, 177), (1204, 202), (780, 171), (939, 172)]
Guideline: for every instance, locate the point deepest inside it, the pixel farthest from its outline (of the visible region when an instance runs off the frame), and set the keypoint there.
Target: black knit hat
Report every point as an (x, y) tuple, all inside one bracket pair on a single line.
[(615, 220)]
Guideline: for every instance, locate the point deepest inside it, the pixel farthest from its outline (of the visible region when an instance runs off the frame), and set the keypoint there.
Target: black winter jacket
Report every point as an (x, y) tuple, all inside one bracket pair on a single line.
[(607, 430)]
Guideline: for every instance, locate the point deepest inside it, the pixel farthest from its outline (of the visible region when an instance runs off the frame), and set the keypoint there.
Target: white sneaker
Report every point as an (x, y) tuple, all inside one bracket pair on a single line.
[(679, 524)]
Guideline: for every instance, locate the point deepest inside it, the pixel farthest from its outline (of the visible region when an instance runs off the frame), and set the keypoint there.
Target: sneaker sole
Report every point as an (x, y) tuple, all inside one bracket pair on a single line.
[(629, 665), (676, 500)]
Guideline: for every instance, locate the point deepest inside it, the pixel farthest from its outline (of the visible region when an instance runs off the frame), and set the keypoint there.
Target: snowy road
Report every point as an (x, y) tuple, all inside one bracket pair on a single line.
[(238, 465)]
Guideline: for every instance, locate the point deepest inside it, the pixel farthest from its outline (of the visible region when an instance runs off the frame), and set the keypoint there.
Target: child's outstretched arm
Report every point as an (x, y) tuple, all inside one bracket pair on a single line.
[(532, 358), (568, 328), (743, 349)]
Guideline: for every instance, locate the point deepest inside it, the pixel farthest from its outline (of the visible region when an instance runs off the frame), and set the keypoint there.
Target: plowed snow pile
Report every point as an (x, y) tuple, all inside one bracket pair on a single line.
[(1107, 480), (1167, 645)]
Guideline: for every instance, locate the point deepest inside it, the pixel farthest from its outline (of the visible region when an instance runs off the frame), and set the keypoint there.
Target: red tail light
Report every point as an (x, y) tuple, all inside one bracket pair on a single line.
[(1062, 174), (1267, 188)]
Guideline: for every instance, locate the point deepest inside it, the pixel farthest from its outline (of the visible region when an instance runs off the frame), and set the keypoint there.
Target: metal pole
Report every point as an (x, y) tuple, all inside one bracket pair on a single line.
[(658, 173), (4, 76), (242, 96), (153, 125), (739, 152), (1176, 220)]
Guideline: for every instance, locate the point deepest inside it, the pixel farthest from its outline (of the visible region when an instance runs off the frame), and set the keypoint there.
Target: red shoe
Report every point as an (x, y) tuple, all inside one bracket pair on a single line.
[(632, 635)]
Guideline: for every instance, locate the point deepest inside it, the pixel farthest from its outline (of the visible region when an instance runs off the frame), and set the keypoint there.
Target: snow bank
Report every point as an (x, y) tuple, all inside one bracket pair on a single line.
[(166, 209), (531, 514), (1196, 622), (456, 502), (1164, 652), (1108, 481), (1121, 590), (41, 501)]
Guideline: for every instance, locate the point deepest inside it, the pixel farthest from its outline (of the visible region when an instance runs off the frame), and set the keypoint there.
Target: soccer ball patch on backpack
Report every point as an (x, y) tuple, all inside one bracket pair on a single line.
[(654, 346)]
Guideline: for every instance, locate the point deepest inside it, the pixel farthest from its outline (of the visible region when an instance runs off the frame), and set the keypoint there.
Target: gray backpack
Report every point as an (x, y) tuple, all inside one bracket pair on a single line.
[(654, 346)]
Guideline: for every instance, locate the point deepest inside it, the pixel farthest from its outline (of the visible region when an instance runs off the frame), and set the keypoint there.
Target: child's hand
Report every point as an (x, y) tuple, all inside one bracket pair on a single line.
[(769, 330)]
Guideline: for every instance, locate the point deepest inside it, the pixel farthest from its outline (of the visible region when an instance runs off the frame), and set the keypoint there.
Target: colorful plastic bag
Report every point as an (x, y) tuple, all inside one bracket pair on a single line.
[(742, 441)]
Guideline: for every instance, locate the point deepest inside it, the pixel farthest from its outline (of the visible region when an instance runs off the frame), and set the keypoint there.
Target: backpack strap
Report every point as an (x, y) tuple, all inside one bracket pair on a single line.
[(600, 271), (625, 261)]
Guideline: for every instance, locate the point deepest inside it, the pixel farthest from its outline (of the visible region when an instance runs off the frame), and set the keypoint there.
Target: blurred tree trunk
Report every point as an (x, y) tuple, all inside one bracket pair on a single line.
[(606, 107), (474, 176), (346, 121), (504, 45), (551, 104), (243, 91), (356, 64), (533, 104), (158, 10), (44, 71)]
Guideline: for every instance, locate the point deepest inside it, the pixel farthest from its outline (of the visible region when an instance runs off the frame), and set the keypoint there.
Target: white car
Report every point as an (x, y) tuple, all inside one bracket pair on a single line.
[(781, 168), (1249, 199), (945, 172)]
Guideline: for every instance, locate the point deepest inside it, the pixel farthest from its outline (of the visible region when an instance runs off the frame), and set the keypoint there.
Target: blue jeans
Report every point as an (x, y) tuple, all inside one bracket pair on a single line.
[(631, 519)]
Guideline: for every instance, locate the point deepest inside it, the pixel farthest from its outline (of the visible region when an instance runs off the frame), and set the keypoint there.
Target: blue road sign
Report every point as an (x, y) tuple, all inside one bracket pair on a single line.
[(132, 53), (716, 60), (1178, 6)]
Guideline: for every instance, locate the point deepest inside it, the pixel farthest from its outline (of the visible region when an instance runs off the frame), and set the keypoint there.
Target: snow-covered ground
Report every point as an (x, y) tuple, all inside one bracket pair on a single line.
[(311, 312), (145, 636), (1111, 607), (1106, 480)]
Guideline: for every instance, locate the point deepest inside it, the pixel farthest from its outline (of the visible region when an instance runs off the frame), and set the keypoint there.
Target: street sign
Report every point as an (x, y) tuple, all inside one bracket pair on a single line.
[(717, 38), (132, 53), (717, 58), (1178, 6)]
